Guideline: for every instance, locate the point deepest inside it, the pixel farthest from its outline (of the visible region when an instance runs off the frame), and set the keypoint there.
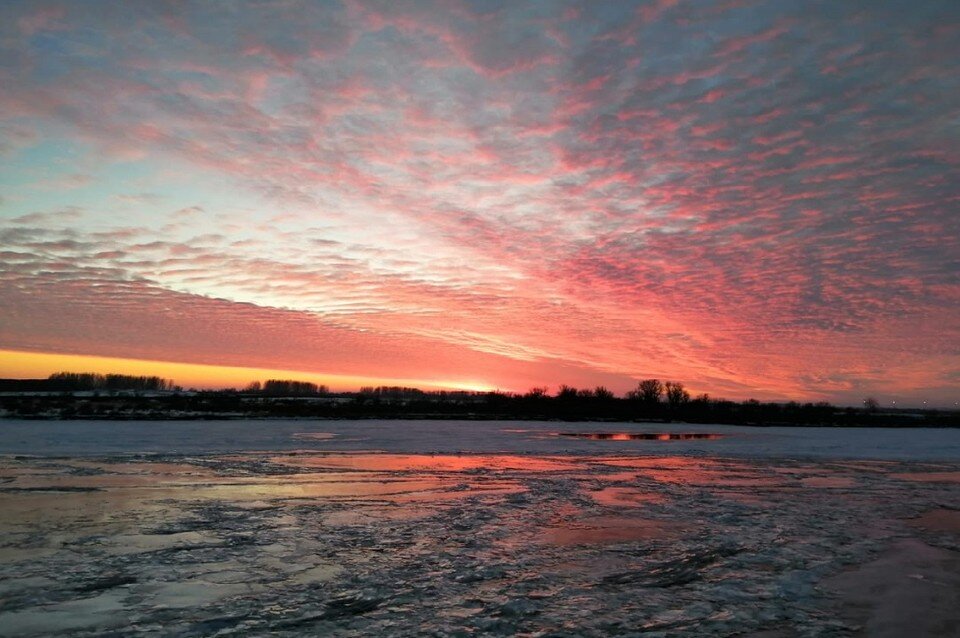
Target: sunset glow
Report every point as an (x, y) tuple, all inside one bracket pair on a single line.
[(29, 365), (760, 199)]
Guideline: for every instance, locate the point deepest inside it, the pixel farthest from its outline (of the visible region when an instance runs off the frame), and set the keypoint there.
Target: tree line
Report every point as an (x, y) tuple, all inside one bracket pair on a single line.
[(80, 381), (286, 388), (650, 400)]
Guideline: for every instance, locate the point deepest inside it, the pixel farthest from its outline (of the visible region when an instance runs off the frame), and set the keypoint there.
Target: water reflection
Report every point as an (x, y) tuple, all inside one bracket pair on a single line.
[(626, 497), (641, 436), (606, 530), (928, 477), (705, 472), (938, 520), (315, 538), (429, 462)]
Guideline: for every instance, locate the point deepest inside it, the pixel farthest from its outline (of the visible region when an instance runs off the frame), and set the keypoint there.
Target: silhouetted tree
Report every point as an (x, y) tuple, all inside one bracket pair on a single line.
[(567, 392), (392, 392), (677, 396), (287, 387), (73, 381), (602, 392), (536, 393), (648, 391), (870, 404)]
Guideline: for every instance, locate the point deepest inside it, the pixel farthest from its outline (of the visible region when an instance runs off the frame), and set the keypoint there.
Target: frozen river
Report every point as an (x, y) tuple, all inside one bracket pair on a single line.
[(476, 528), (97, 438)]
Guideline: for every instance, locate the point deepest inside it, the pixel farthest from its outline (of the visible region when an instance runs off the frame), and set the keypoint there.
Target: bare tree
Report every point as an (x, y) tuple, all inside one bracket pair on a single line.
[(567, 392), (676, 394), (289, 387), (647, 391), (72, 381), (601, 392)]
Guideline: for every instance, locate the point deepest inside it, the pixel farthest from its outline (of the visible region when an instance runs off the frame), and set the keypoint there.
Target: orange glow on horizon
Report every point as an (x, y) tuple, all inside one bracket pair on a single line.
[(34, 365)]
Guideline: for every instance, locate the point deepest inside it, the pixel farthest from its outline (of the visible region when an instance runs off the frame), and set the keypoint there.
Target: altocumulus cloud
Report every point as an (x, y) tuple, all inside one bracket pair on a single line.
[(754, 197)]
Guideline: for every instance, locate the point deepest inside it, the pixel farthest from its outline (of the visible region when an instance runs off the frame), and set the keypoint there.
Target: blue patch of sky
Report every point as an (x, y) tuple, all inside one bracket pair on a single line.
[(41, 178)]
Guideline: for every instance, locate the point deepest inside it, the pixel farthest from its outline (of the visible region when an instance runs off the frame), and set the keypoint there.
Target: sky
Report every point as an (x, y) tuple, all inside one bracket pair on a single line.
[(756, 198)]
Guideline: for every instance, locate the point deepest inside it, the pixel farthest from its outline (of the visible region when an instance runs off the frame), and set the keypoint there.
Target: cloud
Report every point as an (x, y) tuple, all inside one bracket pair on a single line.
[(63, 216), (139, 198), (41, 19), (576, 183)]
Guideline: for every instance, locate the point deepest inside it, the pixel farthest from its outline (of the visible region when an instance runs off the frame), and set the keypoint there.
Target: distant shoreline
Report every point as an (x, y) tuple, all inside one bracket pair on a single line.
[(465, 417), (87, 396)]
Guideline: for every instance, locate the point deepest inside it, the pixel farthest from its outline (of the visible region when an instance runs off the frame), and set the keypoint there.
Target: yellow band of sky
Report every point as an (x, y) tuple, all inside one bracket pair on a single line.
[(35, 365)]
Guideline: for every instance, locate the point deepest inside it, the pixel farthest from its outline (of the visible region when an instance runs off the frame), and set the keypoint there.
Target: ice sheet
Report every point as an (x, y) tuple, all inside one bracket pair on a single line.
[(423, 437), (252, 528)]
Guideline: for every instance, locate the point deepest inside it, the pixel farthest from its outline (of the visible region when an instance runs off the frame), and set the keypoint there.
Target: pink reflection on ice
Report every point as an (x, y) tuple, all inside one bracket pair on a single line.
[(641, 436)]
